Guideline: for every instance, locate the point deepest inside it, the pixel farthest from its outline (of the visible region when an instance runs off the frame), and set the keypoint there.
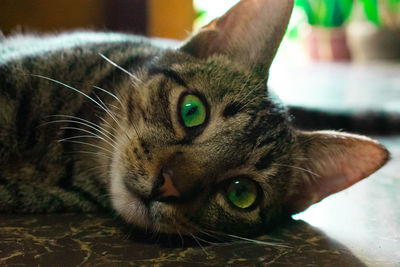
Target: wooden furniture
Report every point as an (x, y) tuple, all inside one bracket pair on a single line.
[(146, 17)]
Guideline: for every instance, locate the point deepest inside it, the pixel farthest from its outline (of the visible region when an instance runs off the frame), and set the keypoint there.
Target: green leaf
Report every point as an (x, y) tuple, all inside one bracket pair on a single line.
[(371, 10), (305, 4), (328, 13)]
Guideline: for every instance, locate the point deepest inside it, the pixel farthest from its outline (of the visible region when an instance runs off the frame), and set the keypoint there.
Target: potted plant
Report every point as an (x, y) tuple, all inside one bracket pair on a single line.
[(376, 33), (325, 36)]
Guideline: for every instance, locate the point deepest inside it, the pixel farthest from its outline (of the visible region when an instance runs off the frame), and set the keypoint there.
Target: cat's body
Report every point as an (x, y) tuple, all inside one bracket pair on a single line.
[(30, 152), (179, 140)]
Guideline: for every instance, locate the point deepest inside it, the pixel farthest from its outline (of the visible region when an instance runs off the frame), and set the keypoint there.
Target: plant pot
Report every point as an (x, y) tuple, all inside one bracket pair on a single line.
[(325, 44), (368, 42)]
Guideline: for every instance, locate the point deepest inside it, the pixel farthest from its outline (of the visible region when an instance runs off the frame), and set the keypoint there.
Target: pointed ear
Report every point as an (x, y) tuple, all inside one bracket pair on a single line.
[(250, 32), (333, 162)]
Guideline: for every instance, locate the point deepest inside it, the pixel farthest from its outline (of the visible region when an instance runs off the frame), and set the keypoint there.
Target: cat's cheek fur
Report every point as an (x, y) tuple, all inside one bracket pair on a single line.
[(128, 205)]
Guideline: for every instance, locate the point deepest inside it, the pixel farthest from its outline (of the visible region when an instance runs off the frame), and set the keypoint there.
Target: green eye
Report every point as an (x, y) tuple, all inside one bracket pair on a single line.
[(242, 193), (193, 111)]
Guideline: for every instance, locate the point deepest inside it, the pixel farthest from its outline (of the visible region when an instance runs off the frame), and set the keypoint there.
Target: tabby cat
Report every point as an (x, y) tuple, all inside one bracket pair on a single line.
[(173, 140)]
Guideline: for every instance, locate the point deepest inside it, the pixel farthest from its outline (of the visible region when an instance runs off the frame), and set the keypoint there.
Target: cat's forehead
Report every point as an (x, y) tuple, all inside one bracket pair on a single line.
[(215, 66), (217, 76)]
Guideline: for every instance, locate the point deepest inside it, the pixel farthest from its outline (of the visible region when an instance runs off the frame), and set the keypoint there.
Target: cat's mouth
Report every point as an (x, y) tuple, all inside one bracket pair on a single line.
[(153, 215), (145, 213)]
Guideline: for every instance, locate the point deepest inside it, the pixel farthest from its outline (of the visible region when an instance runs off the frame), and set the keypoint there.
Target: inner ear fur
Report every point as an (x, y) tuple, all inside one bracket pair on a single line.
[(332, 162)]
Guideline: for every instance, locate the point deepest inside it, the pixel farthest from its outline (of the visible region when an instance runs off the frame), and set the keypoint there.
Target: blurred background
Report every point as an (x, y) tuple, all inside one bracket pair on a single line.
[(340, 52), (343, 53), (322, 30)]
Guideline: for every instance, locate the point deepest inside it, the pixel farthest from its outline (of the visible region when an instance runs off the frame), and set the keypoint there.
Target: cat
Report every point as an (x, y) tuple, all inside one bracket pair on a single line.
[(181, 140)]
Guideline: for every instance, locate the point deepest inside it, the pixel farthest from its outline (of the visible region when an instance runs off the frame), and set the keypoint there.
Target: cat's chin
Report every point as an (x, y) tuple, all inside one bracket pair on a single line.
[(128, 205)]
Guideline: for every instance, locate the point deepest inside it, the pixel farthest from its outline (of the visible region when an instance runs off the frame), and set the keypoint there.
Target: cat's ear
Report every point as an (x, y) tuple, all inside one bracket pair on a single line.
[(333, 161), (250, 32)]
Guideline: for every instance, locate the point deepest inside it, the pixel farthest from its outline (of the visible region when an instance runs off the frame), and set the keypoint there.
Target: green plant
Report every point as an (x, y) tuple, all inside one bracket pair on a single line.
[(382, 12), (327, 13)]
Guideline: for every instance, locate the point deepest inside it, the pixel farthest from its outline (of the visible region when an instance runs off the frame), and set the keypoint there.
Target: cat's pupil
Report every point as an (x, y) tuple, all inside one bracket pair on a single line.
[(242, 193), (240, 190), (191, 111)]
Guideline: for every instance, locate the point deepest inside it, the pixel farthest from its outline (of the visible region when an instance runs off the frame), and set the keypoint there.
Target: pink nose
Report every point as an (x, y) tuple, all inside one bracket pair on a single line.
[(168, 188)]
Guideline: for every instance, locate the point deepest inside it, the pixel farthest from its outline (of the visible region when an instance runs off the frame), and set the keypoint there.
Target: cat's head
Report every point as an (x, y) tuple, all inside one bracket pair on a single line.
[(203, 146)]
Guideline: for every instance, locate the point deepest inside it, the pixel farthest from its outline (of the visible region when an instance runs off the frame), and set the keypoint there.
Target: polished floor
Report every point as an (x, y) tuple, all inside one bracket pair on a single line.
[(357, 227)]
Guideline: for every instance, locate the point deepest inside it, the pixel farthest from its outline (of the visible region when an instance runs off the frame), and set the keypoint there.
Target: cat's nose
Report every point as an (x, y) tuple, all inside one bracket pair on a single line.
[(165, 189)]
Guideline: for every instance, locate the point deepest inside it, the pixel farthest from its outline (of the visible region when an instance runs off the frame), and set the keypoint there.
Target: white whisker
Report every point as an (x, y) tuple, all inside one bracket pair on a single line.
[(248, 103), (107, 92), (91, 153), (106, 107), (119, 67), (88, 144), (254, 241), (89, 132), (258, 242), (77, 137), (180, 236), (297, 168), (68, 86), (195, 239), (100, 129), (105, 122), (114, 106), (239, 93), (87, 96)]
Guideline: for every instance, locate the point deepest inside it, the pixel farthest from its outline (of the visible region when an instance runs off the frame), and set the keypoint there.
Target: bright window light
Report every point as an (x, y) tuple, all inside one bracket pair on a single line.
[(210, 9)]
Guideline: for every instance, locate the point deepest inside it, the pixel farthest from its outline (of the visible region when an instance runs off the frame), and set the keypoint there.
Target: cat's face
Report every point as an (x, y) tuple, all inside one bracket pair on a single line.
[(209, 126), (201, 145)]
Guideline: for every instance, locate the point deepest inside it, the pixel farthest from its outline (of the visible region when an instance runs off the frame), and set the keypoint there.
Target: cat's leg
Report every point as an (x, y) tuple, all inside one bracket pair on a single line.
[(40, 198)]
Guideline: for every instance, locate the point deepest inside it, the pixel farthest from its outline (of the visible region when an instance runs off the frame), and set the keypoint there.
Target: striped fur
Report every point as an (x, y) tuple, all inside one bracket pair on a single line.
[(90, 121)]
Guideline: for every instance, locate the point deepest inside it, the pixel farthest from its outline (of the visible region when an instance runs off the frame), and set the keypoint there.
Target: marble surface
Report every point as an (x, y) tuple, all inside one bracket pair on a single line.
[(356, 227), (84, 240)]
